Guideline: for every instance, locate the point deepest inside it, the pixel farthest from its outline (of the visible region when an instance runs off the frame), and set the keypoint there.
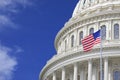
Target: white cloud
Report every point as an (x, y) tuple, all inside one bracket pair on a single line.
[(7, 63), (9, 8), (5, 22), (11, 3)]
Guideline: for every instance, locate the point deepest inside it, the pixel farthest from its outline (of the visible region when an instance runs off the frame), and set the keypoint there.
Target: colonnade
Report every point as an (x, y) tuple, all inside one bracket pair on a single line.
[(91, 71)]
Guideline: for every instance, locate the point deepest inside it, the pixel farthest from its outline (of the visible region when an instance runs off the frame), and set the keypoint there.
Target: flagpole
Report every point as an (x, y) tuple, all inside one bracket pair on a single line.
[(101, 55)]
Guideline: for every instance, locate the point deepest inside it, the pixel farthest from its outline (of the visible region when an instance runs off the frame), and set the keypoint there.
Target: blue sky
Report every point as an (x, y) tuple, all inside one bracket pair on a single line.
[(27, 32)]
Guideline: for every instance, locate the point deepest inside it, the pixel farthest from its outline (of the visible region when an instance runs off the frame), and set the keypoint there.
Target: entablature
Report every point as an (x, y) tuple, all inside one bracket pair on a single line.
[(85, 23), (108, 48)]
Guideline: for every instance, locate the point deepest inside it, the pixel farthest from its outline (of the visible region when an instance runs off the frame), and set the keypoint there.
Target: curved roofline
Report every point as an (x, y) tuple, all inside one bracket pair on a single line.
[(73, 20), (59, 58)]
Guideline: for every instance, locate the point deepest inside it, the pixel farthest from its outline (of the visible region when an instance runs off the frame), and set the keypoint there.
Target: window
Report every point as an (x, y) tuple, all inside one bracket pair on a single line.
[(116, 31), (91, 31), (84, 2), (103, 32), (116, 75), (80, 37), (65, 44), (72, 41)]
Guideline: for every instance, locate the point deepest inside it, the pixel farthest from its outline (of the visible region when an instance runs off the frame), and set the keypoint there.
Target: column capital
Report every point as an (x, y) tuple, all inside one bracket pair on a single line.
[(76, 63), (63, 67), (106, 57), (54, 72), (90, 60)]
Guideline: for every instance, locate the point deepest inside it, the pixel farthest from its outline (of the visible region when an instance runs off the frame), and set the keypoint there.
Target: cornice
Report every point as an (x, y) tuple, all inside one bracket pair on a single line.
[(88, 18), (64, 57), (93, 5)]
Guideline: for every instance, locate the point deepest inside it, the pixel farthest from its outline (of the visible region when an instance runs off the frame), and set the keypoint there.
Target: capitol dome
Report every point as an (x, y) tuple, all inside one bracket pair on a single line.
[(71, 62)]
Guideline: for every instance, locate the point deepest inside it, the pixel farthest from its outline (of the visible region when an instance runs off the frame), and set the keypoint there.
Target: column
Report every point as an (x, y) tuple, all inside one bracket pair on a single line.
[(76, 34), (75, 71), (82, 73), (77, 38), (109, 32), (109, 72), (85, 31), (94, 72), (90, 69), (105, 68), (69, 43), (63, 73), (54, 76)]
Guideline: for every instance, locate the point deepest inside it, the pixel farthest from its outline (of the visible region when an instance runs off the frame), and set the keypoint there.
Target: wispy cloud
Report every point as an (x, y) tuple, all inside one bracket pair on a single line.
[(9, 8), (18, 49), (12, 4), (7, 63), (5, 22)]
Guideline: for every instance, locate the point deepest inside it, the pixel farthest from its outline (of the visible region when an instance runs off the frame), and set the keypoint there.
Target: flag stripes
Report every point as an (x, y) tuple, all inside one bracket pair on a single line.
[(89, 41)]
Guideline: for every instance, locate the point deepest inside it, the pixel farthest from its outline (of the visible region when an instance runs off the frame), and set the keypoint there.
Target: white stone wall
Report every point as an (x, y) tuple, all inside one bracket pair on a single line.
[(109, 34)]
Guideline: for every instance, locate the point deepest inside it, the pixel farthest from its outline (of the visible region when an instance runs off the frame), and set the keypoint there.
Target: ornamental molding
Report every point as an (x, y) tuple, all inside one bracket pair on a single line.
[(96, 13), (85, 21), (58, 62)]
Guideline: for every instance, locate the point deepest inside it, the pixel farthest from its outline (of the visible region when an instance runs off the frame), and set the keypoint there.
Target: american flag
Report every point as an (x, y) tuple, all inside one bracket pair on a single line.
[(89, 41)]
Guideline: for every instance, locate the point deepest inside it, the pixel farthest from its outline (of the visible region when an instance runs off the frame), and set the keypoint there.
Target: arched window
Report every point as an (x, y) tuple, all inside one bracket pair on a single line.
[(84, 2), (103, 32), (116, 75), (116, 31), (91, 31), (80, 37), (72, 40), (65, 45)]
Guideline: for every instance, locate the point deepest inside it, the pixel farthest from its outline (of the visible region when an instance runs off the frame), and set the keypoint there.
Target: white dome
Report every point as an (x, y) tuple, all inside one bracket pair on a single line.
[(76, 10), (71, 62), (84, 5), (81, 4)]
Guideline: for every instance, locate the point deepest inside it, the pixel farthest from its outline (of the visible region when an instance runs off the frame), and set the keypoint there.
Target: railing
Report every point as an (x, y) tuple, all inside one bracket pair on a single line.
[(106, 43)]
